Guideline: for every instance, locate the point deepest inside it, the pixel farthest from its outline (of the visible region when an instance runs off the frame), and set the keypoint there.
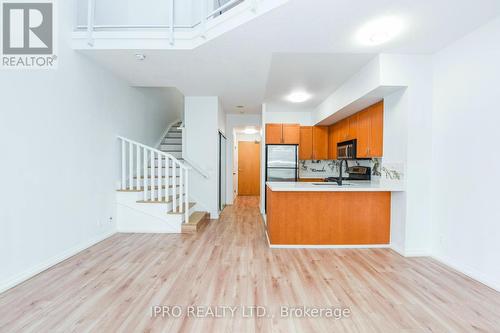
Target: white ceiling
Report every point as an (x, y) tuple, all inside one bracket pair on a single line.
[(317, 74), (288, 47)]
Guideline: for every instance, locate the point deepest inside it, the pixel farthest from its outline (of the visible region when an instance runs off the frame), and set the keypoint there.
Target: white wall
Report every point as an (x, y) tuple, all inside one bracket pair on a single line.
[(280, 114), (465, 214), (60, 156), (415, 73), (234, 121), (202, 145)]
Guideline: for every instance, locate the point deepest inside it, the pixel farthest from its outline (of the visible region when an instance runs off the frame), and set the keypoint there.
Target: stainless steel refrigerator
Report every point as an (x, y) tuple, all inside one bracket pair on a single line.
[(282, 163)]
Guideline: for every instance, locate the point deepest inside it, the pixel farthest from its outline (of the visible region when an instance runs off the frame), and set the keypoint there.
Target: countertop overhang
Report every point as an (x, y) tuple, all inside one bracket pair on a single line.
[(356, 186)]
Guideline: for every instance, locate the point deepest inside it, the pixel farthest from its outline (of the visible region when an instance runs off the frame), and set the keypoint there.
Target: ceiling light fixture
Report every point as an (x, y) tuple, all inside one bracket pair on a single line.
[(250, 130), (140, 56), (298, 97), (380, 31)]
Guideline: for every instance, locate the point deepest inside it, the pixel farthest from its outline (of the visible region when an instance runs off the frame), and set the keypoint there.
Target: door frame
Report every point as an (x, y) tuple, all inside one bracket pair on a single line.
[(219, 201)]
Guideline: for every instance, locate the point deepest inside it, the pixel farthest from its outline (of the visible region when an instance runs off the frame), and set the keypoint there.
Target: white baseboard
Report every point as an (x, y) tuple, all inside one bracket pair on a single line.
[(470, 272), (29, 273)]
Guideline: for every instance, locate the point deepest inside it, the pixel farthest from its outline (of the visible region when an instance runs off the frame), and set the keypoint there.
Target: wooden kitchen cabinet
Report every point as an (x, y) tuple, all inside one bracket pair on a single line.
[(274, 133), (320, 143), (352, 132), (343, 130), (306, 143), (291, 134), (332, 142), (377, 131), (282, 134), (370, 131), (313, 143)]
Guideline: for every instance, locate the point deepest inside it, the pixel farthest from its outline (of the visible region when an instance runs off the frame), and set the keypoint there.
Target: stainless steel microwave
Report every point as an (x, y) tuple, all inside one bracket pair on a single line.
[(346, 150)]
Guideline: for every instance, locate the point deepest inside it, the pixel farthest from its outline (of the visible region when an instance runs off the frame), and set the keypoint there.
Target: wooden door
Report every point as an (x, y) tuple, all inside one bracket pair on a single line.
[(320, 143), (291, 134), (364, 134), (306, 143), (274, 133), (248, 168), (332, 143), (377, 130)]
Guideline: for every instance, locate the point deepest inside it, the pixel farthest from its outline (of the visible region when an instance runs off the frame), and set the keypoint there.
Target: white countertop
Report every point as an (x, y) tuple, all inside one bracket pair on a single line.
[(354, 186)]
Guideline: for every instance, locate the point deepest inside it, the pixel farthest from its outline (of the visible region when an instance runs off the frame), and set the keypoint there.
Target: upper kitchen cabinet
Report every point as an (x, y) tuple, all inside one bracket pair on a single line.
[(274, 133), (347, 129), (282, 134), (313, 143), (352, 132), (291, 134), (332, 142), (342, 130), (320, 142), (306, 143), (370, 131)]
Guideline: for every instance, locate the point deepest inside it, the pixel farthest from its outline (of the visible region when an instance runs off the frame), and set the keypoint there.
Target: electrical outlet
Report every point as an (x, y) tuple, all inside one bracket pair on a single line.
[(110, 219)]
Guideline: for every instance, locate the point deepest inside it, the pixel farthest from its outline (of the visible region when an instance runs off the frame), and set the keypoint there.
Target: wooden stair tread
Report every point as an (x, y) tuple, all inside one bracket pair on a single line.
[(196, 217), (181, 211), (196, 221)]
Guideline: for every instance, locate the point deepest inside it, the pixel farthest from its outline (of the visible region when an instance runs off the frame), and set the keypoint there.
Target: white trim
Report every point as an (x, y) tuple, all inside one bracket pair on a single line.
[(397, 249), (412, 253), (166, 132), (468, 271), (37, 269)]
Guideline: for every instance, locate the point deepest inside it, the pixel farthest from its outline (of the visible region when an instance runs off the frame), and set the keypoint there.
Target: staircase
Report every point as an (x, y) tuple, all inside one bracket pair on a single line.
[(172, 142), (154, 190)]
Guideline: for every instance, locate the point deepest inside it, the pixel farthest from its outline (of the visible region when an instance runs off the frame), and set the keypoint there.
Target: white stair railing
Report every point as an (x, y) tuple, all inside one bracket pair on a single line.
[(137, 158)]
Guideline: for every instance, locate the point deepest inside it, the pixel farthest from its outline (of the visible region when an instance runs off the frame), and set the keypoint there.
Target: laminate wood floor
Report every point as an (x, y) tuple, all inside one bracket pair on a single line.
[(112, 286)]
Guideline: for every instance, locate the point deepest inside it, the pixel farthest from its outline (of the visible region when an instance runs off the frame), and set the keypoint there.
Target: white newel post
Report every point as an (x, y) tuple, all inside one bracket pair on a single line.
[(145, 173), (174, 188), (124, 185), (130, 166), (186, 212), (151, 174)]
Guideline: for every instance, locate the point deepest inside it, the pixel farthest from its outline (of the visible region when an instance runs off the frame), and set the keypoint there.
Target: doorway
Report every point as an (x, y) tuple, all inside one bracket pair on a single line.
[(248, 168)]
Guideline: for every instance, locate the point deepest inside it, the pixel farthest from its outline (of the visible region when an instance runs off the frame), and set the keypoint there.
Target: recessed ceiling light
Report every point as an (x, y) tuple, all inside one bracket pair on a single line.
[(298, 97), (380, 31), (140, 56), (250, 130)]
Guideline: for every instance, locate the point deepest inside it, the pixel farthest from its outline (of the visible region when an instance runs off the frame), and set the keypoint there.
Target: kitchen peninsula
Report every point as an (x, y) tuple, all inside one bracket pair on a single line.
[(357, 213)]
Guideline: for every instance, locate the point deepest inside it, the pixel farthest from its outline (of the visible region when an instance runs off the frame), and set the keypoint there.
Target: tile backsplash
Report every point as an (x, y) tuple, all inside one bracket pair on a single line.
[(330, 168)]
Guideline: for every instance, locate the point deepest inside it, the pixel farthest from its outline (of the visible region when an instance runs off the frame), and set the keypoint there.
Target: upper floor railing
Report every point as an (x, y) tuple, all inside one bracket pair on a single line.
[(168, 15)]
